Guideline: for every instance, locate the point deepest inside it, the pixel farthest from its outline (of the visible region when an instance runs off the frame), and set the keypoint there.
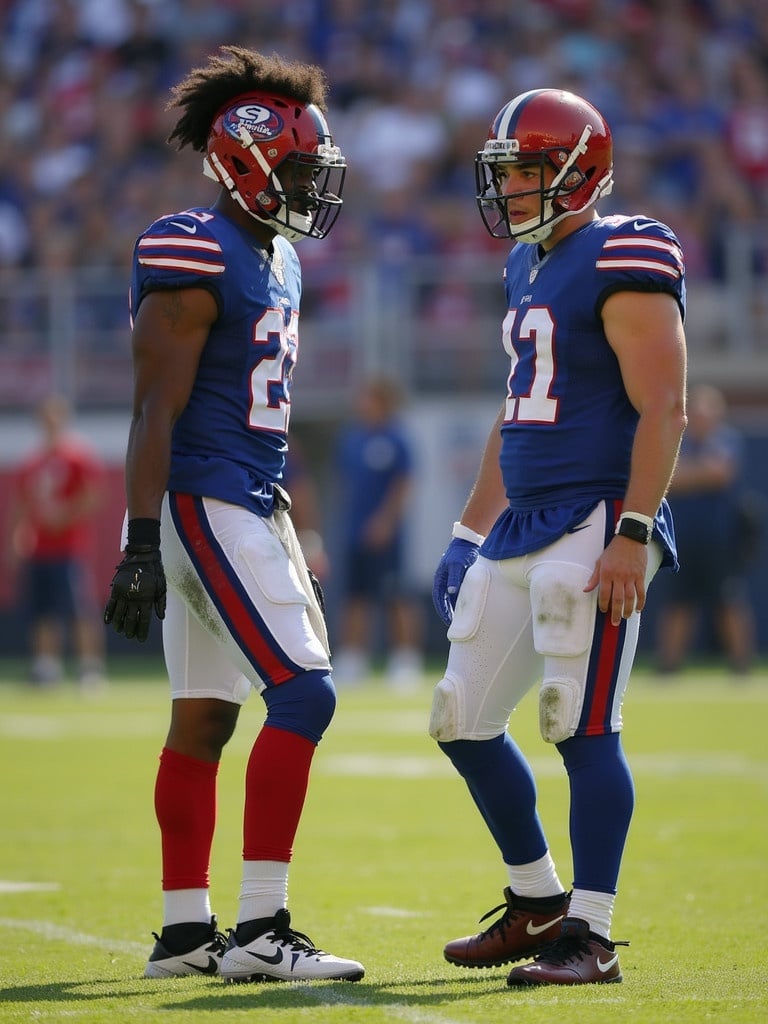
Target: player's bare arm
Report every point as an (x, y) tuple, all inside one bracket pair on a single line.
[(169, 334), (486, 501), (646, 333)]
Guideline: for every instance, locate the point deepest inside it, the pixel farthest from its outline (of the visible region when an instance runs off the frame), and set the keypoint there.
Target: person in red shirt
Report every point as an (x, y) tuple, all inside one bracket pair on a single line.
[(58, 487)]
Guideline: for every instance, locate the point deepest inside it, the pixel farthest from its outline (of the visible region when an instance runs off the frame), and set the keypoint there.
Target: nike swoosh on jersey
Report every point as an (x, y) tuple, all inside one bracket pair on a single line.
[(189, 228), (275, 958), (641, 227), (211, 968), (537, 929), (607, 966)]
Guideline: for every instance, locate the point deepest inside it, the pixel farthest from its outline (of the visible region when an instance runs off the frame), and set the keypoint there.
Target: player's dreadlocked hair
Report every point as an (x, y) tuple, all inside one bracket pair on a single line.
[(233, 72)]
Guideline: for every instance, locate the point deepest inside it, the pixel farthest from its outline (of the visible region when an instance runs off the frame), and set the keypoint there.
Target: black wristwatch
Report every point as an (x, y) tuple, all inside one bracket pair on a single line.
[(634, 529)]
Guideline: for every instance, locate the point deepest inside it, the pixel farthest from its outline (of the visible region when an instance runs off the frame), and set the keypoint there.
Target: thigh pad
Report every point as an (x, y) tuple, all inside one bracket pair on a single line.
[(470, 603), (562, 614)]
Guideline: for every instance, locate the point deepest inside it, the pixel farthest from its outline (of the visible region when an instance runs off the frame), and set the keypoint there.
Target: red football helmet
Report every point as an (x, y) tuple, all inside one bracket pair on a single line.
[(553, 129), (277, 159)]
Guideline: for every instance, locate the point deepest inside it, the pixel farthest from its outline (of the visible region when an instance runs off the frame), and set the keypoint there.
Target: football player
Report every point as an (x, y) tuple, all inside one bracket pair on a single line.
[(215, 307), (546, 575)]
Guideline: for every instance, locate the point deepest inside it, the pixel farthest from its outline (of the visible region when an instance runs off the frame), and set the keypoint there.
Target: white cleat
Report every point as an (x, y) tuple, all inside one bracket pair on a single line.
[(277, 953), (204, 956)]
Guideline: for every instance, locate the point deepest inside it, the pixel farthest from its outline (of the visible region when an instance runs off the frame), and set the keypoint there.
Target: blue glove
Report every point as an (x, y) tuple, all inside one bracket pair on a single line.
[(457, 558)]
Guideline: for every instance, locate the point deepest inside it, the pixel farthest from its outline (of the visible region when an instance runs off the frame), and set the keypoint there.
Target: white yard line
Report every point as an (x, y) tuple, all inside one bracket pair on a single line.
[(690, 765), (54, 932), (8, 886), (112, 726)]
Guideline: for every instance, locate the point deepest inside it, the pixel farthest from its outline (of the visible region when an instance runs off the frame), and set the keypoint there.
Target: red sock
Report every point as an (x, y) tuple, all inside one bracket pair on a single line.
[(276, 782), (185, 805)]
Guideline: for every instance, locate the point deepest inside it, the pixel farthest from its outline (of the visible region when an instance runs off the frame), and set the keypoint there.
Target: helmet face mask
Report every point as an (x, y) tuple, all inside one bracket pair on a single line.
[(277, 160), (570, 143), (307, 197)]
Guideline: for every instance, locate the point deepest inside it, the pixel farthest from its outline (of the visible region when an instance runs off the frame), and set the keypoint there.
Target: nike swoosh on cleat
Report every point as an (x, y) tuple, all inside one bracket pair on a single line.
[(276, 958), (191, 229), (537, 929), (606, 967), (212, 966)]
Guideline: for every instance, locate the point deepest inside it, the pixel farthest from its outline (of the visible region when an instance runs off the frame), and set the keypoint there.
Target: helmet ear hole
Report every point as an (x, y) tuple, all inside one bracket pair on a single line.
[(239, 166)]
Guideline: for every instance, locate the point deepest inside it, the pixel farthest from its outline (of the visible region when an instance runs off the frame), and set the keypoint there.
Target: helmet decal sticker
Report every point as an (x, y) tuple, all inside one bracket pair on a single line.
[(262, 122)]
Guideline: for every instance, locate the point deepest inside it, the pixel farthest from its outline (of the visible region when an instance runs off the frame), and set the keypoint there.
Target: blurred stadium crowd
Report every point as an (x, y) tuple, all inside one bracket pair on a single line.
[(84, 165), (408, 276)]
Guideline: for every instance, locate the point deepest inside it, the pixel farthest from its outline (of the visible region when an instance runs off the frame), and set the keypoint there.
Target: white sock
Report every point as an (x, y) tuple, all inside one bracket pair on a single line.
[(47, 668), (184, 906), (351, 666), (539, 878), (263, 890), (596, 908)]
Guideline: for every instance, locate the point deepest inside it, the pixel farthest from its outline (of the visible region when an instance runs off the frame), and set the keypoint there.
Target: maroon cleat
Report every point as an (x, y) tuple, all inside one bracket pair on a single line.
[(577, 957), (525, 927)]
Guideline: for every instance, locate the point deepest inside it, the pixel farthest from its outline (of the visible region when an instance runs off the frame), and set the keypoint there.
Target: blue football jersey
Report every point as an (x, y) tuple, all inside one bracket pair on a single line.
[(569, 425), (371, 460), (230, 442)]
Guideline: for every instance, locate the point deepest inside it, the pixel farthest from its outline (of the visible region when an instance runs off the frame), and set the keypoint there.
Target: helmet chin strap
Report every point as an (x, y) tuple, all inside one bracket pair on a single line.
[(538, 234)]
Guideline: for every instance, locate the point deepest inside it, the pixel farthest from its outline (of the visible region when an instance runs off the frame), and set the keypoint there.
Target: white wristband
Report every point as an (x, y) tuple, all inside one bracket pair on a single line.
[(462, 532), (638, 517)]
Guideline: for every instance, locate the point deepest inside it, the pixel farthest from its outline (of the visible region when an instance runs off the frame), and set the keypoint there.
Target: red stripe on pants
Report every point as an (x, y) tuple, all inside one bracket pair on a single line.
[(241, 618), (605, 676)]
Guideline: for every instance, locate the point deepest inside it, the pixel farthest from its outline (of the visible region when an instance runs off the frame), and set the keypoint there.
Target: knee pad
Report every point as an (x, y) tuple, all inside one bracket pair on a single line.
[(559, 708), (562, 614), (445, 720), (304, 704)]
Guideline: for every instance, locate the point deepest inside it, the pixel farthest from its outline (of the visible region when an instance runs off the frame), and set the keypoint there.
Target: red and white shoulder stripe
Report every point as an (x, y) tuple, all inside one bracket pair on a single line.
[(642, 250), (181, 252)]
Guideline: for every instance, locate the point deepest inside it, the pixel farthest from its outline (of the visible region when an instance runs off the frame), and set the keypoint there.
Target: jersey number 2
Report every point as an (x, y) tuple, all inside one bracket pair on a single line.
[(276, 344)]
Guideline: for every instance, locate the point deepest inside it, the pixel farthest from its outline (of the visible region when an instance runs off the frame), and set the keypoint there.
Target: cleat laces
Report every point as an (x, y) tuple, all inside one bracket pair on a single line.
[(297, 941), (510, 914), (284, 935), (570, 947), (563, 950), (218, 944)]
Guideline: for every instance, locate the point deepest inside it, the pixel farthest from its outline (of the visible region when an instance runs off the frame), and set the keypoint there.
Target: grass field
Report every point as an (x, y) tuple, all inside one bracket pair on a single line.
[(391, 862)]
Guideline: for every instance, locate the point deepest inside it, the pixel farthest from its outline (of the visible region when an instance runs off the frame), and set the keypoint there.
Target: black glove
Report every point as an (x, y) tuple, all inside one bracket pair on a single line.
[(318, 592), (138, 586)]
